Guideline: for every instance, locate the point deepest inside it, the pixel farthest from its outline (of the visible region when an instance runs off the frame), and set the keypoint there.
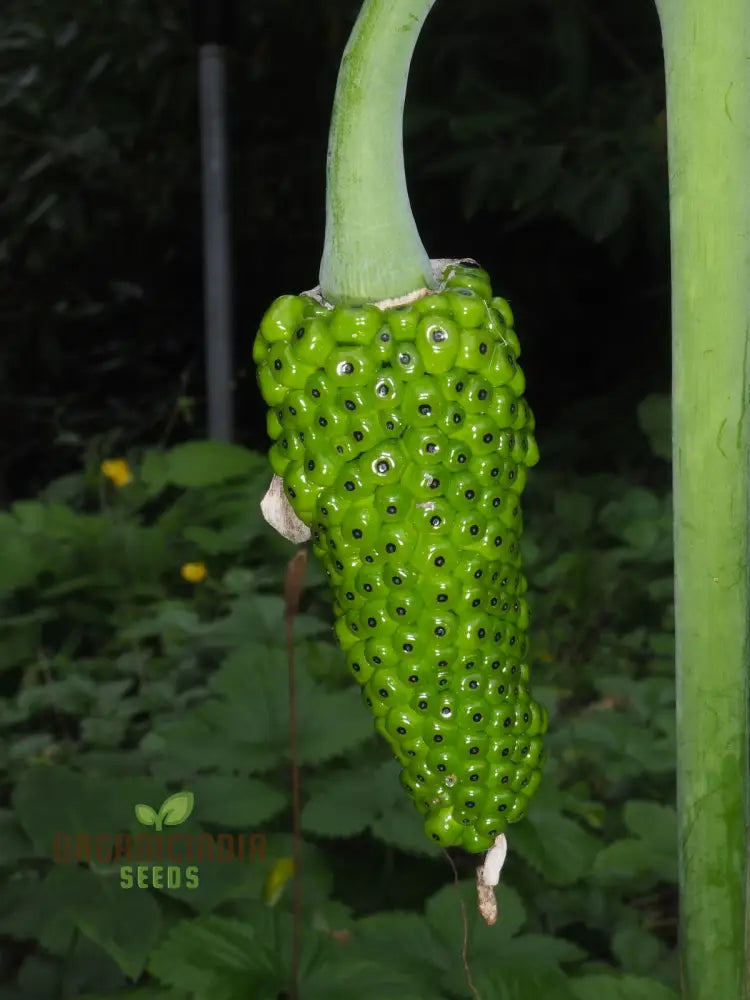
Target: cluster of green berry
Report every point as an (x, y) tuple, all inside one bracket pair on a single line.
[(402, 438)]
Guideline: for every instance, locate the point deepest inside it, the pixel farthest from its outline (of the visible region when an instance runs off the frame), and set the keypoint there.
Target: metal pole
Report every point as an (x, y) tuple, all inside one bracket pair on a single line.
[(217, 276)]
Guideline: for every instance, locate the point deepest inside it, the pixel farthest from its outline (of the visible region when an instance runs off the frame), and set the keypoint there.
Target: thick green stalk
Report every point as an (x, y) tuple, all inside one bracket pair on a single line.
[(372, 248), (706, 48)]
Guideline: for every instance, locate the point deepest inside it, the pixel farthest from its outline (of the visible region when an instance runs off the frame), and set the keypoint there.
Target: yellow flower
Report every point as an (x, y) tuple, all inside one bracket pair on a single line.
[(194, 572), (118, 470), (279, 874)]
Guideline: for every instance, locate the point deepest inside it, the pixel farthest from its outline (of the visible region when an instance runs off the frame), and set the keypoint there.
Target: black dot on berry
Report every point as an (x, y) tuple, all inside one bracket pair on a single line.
[(372, 622), (498, 540), (435, 837), (376, 659), (277, 365), (487, 438), (496, 501), (524, 751), (481, 633), (346, 368), (469, 804), (291, 492), (476, 602), (461, 458), (384, 336), (401, 730), (483, 348), (435, 521), (445, 710), (340, 449), (322, 421), (478, 575), (440, 631), (498, 637), (504, 779), (293, 411), (367, 588), (469, 494), (349, 485), (482, 394), (496, 664), (382, 389), (407, 647), (505, 752), (413, 679), (425, 409), (469, 664), (476, 717), (439, 560), (404, 358), (356, 667), (459, 386), (389, 425), (358, 435), (474, 777), (501, 689), (474, 529), (437, 738), (383, 693), (400, 611), (434, 483), (440, 767), (397, 580), (442, 598), (368, 559), (507, 723), (382, 466), (474, 751), (390, 547), (438, 335), (391, 509), (350, 404), (311, 464), (473, 684), (422, 704), (512, 640), (339, 565), (457, 419), (431, 448)]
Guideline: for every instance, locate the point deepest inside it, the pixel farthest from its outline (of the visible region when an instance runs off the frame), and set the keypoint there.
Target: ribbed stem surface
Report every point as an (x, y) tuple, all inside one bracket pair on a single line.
[(707, 57)]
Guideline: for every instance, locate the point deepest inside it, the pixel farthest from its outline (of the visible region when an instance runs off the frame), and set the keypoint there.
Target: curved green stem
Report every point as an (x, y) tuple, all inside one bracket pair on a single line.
[(372, 248)]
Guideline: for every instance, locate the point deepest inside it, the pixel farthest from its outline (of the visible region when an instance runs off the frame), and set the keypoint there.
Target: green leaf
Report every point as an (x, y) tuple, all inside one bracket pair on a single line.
[(653, 822), (208, 954), (636, 949), (604, 987), (655, 419), (126, 923), (556, 846), (203, 463), (231, 801), (145, 815), (176, 809)]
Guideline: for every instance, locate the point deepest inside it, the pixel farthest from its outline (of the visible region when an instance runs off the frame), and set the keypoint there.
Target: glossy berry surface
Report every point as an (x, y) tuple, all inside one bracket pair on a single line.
[(403, 440)]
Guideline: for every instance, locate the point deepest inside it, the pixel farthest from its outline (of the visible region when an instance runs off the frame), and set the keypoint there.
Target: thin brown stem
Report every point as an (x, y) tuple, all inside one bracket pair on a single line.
[(293, 583), (465, 923)]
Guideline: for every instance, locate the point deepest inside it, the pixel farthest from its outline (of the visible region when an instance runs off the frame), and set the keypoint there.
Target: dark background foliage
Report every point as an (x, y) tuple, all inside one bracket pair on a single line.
[(535, 142)]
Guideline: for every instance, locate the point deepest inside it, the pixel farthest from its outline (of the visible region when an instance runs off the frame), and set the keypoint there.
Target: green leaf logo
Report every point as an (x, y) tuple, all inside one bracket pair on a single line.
[(174, 810)]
